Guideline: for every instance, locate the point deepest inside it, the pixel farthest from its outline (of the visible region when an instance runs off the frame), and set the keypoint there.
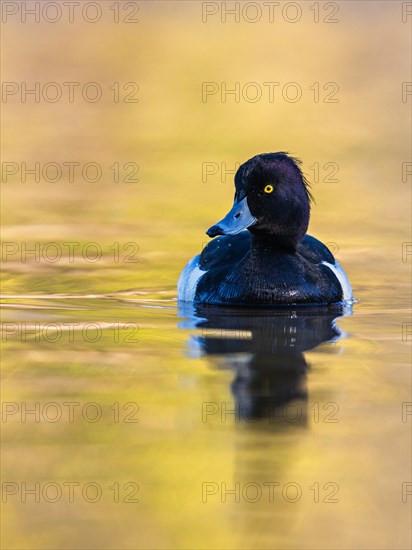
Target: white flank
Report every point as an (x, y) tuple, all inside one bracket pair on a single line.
[(188, 280), (343, 279)]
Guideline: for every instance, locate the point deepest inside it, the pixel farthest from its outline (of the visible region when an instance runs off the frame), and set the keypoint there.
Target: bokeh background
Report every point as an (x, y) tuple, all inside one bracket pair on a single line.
[(174, 134)]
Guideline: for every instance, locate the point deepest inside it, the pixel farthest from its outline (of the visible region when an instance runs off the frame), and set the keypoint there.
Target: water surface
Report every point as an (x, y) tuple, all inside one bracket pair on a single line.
[(165, 426)]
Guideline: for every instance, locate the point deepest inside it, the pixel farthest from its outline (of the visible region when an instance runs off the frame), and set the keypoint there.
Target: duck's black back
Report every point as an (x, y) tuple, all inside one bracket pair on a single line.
[(240, 272)]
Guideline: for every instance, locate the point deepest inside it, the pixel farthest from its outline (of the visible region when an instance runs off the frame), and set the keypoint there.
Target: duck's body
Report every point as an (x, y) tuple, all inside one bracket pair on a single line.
[(274, 262)]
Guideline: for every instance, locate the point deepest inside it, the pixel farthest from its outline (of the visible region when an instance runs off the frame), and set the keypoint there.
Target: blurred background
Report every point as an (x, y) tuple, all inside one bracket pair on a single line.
[(165, 100)]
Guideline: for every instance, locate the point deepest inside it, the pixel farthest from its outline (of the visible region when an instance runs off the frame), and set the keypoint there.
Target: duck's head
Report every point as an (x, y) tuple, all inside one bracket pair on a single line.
[(272, 198)]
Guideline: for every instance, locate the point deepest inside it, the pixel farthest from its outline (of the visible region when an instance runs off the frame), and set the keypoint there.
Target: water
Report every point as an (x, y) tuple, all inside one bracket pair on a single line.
[(157, 425), (299, 416)]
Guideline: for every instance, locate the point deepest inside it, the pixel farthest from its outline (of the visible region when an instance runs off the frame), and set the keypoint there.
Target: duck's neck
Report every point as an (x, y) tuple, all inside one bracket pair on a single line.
[(269, 244)]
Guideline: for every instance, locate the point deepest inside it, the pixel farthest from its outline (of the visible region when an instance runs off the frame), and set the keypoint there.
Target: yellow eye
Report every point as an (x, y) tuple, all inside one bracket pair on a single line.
[(268, 189)]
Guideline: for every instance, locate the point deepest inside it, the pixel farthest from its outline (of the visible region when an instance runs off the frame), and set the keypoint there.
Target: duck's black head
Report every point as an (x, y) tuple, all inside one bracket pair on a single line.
[(272, 199)]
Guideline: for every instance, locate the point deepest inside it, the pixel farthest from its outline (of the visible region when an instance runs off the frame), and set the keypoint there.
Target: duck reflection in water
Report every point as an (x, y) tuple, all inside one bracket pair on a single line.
[(265, 349)]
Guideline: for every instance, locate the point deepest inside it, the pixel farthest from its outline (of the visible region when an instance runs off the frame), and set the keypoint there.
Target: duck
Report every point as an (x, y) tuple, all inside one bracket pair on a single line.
[(260, 253)]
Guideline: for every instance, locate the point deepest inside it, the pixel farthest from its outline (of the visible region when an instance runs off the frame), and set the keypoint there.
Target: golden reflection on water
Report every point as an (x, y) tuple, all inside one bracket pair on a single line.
[(295, 408)]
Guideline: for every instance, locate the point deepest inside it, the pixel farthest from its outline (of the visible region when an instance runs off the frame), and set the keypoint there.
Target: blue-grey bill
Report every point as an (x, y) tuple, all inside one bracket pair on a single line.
[(238, 219)]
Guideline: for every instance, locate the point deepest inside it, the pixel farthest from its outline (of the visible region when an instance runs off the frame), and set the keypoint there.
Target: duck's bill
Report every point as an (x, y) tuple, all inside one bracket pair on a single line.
[(238, 219)]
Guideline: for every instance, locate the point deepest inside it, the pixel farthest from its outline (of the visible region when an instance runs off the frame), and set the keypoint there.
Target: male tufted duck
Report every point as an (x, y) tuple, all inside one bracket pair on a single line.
[(274, 262)]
